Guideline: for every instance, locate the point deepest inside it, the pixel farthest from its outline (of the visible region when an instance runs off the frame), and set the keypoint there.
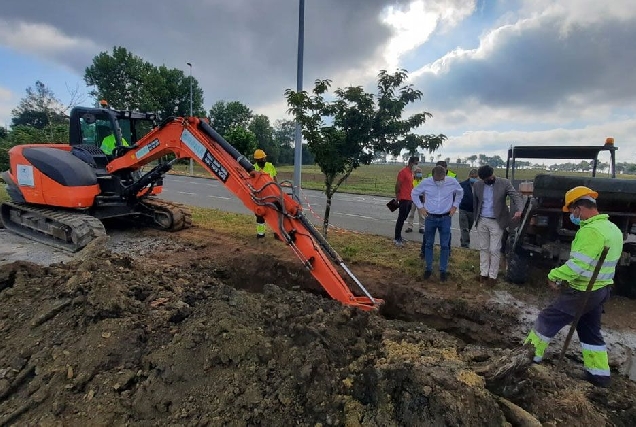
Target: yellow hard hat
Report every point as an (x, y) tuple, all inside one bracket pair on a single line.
[(259, 154), (576, 193)]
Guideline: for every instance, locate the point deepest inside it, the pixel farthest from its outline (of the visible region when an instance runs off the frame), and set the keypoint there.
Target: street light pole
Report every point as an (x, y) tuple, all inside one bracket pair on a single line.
[(298, 149), (190, 65)]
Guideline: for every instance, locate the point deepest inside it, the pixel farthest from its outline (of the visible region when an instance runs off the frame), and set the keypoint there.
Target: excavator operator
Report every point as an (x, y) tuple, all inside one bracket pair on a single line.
[(262, 165), (108, 139)]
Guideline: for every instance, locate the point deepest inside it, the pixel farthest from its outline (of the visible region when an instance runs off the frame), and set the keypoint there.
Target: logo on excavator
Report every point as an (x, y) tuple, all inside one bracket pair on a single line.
[(216, 166), (191, 142), (147, 149)]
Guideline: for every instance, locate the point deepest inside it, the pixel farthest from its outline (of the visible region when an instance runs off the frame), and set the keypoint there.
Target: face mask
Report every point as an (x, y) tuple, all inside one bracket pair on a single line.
[(575, 220), (439, 183), (489, 181), (473, 180), (418, 175)]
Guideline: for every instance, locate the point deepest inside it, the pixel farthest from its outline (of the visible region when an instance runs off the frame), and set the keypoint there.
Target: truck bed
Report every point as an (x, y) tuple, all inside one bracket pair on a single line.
[(609, 189)]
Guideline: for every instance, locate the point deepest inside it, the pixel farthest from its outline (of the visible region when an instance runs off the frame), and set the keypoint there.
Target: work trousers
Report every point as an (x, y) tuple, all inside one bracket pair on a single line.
[(403, 212), (489, 237), (432, 225), (561, 313), (260, 226), (411, 218), (466, 220)]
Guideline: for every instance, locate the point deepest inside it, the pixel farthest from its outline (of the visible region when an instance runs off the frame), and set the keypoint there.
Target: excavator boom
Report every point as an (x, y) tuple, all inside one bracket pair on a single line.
[(194, 138)]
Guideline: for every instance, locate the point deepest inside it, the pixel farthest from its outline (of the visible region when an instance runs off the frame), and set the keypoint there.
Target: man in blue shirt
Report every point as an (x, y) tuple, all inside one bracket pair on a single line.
[(466, 215), (441, 200)]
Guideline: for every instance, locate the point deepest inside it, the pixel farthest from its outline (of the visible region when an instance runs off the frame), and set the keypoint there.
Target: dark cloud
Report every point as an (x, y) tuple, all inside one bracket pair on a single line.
[(241, 49), (541, 68)]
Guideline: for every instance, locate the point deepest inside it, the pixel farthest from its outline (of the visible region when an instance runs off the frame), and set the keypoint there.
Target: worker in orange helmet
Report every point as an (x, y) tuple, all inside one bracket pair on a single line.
[(262, 165), (595, 233)]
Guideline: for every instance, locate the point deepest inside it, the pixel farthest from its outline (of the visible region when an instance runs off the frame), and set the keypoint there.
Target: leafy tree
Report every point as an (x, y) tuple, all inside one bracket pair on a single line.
[(40, 108), (344, 133), (284, 133), (264, 133), (392, 133), (472, 159), (242, 139), (458, 160), (128, 82), (169, 91), (227, 115)]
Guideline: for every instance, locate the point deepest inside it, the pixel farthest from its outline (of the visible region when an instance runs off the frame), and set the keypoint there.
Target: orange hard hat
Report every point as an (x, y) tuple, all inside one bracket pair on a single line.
[(259, 154), (576, 193)]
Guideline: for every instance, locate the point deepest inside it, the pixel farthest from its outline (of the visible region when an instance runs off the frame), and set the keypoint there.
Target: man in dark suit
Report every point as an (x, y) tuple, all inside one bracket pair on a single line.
[(491, 218)]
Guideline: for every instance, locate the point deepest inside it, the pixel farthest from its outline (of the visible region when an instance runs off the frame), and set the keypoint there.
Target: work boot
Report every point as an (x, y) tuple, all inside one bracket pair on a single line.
[(421, 231), (427, 274), (443, 276), (482, 279), (260, 236), (595, 380), (408, 230), (492, 281)]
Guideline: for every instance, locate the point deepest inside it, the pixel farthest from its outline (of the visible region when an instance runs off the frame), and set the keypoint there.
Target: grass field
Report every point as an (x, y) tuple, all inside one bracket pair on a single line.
[(378, 180), (3, 193)]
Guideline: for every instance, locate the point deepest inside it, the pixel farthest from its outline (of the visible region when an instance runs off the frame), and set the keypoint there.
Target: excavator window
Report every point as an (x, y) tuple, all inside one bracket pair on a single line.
[(95, 128)]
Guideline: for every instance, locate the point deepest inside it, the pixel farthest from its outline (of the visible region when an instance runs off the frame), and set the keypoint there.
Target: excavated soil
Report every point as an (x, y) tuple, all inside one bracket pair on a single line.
[(207, 331)]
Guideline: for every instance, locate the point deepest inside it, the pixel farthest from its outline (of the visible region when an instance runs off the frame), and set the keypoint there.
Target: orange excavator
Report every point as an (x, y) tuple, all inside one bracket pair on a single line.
[(61, 193)]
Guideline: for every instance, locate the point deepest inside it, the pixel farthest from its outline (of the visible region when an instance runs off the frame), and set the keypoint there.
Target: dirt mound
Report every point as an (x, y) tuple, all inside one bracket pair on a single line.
[(188, 338)]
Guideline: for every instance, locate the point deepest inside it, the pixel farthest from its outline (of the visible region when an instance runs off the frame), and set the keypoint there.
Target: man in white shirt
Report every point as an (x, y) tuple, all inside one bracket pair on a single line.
[(442, 195)]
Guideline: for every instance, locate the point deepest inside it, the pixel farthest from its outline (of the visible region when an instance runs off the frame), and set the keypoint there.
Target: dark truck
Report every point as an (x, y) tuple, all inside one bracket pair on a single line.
[(545, 233)]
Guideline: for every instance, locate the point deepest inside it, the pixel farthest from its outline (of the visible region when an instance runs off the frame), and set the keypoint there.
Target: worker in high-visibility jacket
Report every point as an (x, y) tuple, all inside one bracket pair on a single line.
[(595, 232), (443, 164), (262, 165)]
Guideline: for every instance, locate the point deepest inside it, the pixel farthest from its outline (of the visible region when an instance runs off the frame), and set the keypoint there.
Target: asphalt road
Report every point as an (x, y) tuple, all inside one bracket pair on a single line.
[(367, 214)]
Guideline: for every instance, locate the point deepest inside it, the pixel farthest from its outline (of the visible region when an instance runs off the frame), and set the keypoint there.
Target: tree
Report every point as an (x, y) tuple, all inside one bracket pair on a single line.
[(242, 139), (472, 159), (40, 108), (225, 116), (128, 82), (284, 139), (264, 133), (344, 133), (392, 133)]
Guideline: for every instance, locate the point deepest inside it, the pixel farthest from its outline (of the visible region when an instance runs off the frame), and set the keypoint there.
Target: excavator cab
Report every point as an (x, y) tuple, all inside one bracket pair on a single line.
[(108, 129)]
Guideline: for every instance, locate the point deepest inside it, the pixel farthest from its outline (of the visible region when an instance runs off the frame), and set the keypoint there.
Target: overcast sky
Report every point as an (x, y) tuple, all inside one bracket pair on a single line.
[(493, 72)]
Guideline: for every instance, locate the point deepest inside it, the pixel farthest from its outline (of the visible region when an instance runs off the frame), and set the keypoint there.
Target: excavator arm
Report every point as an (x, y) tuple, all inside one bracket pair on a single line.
[(194, 138)]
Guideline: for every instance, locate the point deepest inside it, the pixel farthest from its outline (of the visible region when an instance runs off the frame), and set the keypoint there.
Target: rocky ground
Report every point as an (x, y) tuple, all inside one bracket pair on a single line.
[(195, 328)]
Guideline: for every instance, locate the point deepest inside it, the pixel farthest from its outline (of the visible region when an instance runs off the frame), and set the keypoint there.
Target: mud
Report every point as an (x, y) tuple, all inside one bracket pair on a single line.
[(187, 332)]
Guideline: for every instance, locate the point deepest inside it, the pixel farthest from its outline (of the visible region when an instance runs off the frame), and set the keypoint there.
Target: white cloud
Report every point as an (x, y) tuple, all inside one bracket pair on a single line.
[(7, 103), (43, 40), (413, 25), (492, 142)]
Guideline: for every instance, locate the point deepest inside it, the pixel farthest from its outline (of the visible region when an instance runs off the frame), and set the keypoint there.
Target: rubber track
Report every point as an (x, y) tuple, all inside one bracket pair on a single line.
[(181, 215), (84, 228)]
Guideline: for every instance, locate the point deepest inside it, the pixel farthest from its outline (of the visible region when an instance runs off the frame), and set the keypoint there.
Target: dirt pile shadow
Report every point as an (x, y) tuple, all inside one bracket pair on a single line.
[(110, 340)]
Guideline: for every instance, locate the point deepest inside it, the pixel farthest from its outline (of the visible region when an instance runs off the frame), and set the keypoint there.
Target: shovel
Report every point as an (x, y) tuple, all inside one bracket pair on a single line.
[(583, 303)]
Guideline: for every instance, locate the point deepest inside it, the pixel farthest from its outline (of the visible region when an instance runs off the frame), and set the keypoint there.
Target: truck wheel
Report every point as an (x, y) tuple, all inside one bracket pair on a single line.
[(517, 269), (624, 284)]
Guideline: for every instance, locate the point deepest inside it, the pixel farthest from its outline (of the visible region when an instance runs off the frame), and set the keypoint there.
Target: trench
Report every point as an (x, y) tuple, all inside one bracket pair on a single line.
[(471, 323)]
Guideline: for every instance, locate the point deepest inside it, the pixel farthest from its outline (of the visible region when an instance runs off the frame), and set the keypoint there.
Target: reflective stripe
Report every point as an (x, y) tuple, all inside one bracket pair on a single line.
[(582, 257), (537, 359), (591, 347), (587, 273), (577, 269), (589, 260), (599, 372)]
